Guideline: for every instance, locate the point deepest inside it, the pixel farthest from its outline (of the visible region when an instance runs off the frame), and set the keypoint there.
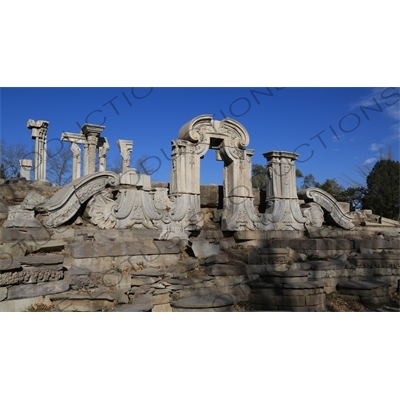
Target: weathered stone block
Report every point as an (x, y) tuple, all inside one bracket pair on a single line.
[(226, 243), (267, 299), (162, 308), (315, 299), (144, 281), (234, 280), (16, 235), (161, 299), (22, 304), (296, 301), (317, 274), (40, 289), (221, 258), (205, 303), (225, 270), (203, 249), (3, 293)]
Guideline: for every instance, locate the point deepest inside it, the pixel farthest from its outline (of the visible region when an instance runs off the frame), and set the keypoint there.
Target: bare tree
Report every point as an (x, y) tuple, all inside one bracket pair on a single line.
[(59, 163), (10, 154)]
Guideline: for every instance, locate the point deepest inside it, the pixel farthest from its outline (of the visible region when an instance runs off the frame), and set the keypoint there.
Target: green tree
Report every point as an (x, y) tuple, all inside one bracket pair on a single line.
[(259, 176), (309, 181), (333, 188), (383, 193)]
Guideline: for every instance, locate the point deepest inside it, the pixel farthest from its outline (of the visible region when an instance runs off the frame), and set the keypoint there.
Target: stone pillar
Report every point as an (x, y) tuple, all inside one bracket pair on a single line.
[(92, 133), (25, 169), (282, 201), (103, 149), (76, 161), (125, 148), (39, 134)]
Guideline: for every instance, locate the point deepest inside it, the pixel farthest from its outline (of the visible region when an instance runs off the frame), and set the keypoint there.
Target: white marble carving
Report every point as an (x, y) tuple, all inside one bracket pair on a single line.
[(39, 134), (25, 169), (283, 209), (125, 147), (333, 211)]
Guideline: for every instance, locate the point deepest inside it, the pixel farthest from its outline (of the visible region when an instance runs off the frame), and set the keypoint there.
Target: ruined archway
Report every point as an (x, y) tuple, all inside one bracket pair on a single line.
[(229, 138)]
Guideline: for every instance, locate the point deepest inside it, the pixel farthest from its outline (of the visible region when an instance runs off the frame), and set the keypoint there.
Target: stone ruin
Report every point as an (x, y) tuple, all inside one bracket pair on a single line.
[(121, 239)]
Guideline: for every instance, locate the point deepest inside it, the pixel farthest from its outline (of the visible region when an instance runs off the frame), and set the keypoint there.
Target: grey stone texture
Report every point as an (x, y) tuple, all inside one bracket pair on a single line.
[(40, 289), (205, 303), (204, 249)]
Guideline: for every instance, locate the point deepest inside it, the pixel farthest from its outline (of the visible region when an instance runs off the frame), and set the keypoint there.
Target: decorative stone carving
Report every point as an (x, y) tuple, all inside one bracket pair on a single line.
[(314, 214), (92, 134), (67, 201), (333, 212), (25, 169), (283, 209), (18, 217), (76, 161), (39, 134), (32, 275), (125, 148), (103, 149), (229, 138)]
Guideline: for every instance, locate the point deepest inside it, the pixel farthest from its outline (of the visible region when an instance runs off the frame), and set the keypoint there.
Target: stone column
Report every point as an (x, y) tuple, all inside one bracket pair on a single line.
[(39, 134), (25, 169), (125, 148), (282, 201), (92, 133), (76, 161), (103, 149)]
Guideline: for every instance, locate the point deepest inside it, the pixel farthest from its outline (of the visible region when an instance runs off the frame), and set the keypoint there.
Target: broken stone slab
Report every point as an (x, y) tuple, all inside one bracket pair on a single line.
[(12, 250), (227, 242), (161, 299), (3, 293), (189, 263), (10, 265), (234, 280), (79, 271), (34, 290), (364, 250), (223, 302), (134, 308), (221, 258), (21, 218), (203, 248), (291, 276), (33, 199), (149, 272), (144, 281), (126, 248), (23, 304), (162, 308), (50, 259), (22, 234), (225, 270), (145, 300)]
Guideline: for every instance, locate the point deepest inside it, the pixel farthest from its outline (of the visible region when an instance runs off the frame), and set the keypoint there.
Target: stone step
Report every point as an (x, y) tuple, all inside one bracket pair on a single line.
[(210, 303)]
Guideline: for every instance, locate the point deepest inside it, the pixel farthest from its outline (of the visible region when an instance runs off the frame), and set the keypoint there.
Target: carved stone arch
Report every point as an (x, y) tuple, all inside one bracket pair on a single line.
[(230, 139), (215, 134)]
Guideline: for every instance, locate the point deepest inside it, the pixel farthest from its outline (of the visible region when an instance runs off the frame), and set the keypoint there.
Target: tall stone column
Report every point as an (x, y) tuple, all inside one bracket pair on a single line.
[(76, 161), (39, 134), (103, 149), (25, 169), (92, 134), (125, 148), (282, 202)]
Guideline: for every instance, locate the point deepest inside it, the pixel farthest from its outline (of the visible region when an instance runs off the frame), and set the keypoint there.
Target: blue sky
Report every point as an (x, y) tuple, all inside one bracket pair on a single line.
[(330, 128)]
